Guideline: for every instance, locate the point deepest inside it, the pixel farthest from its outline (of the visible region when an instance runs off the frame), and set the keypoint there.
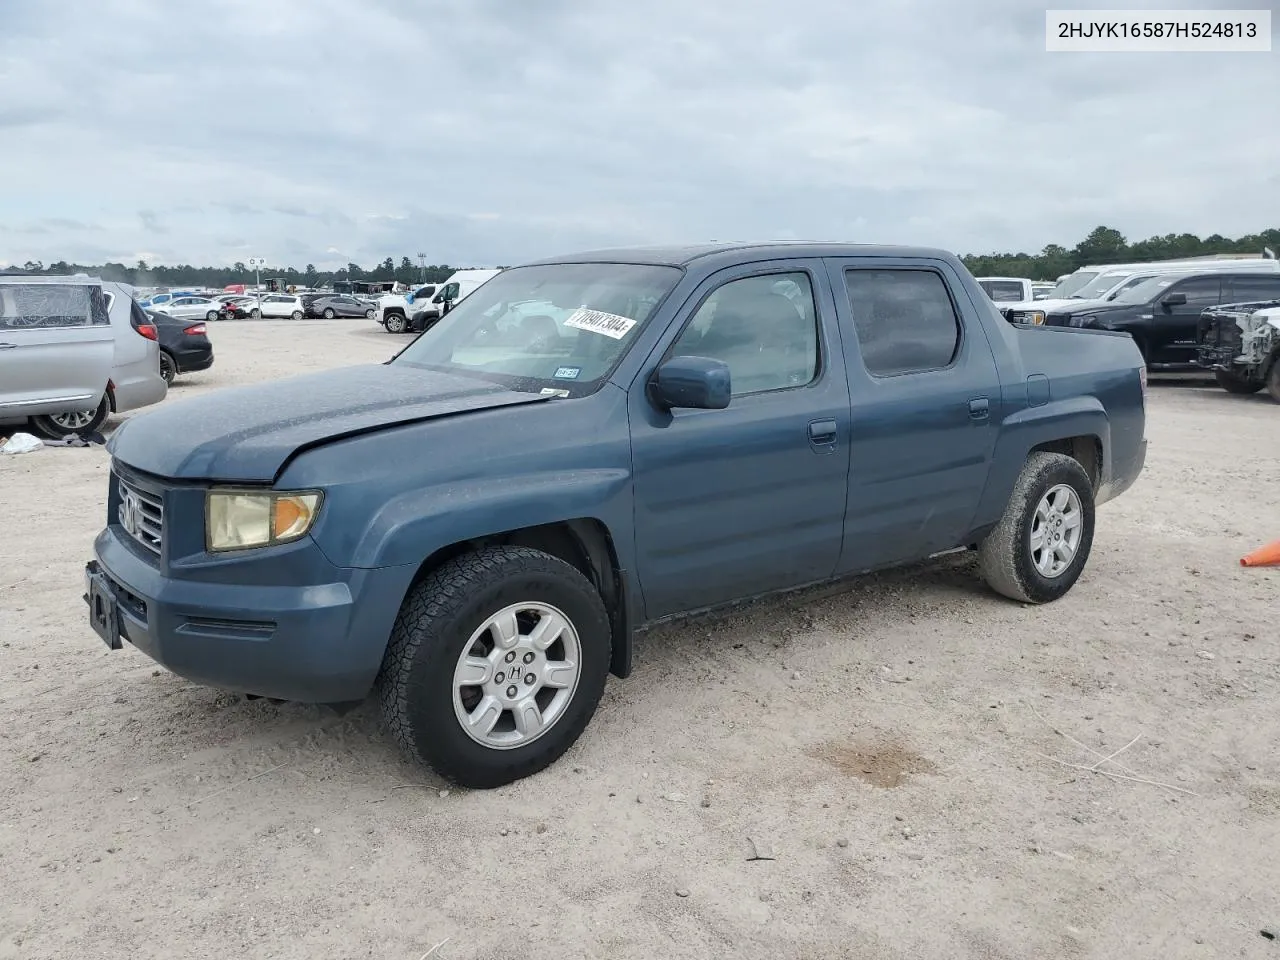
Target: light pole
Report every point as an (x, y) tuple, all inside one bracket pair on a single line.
[(422, 262)]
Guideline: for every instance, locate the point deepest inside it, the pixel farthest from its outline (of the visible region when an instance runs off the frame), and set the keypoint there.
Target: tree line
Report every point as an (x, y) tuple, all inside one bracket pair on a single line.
[(1102, 245), (1108, 245), (143, 274)]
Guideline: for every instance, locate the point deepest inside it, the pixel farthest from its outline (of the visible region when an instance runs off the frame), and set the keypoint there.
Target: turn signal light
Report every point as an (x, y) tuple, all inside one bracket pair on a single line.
[(147, 330)]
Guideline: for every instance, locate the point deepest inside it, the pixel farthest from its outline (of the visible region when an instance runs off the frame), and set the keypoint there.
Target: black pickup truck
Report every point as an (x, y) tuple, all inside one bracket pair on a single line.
[(1163, 314)]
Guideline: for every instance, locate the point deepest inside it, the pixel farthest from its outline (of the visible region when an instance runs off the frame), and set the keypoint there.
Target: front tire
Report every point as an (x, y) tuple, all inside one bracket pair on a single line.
[(396, 323), (1037, 551), (1233, 384), (168, 367), (255, 314), (370, 314), (446, 684), (1273, 381), (328, 313), (55, 426)]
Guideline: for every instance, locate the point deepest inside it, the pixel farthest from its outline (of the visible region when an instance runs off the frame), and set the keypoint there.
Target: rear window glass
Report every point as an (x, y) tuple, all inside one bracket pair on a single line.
[(52, 305)]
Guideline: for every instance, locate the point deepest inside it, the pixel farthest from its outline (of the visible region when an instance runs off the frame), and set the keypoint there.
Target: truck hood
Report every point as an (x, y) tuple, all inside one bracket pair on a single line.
[(1045, 305), (248, 434)]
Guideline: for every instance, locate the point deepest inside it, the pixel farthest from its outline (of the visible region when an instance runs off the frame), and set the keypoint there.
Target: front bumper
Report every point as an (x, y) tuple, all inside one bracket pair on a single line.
[(316, 643)]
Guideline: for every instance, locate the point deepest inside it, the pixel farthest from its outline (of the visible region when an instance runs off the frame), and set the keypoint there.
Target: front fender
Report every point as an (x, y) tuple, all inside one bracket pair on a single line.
[(414, 524), (1021, 432)]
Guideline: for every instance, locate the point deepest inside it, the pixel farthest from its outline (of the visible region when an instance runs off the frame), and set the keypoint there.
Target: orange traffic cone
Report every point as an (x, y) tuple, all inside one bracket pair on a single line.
[(1268, 556)]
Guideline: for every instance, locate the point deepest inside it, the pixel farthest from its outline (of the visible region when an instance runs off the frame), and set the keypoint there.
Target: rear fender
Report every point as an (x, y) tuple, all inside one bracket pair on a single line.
[(1021, 432)]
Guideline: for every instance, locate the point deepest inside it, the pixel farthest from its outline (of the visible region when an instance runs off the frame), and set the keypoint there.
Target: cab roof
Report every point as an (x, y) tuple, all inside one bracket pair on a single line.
[(727, 254)]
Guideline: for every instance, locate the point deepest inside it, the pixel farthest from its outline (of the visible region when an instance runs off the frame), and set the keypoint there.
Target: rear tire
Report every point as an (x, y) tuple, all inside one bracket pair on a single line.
[(55, 426), (465, 621), (1273, 380), (211, 316), (296, 315), (1037, 551), (396, 323), (168, 367), (1233, 384)]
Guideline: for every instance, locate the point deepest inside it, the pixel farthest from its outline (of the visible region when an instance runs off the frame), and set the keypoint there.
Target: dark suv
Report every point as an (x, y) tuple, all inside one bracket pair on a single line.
[(1163, 314)]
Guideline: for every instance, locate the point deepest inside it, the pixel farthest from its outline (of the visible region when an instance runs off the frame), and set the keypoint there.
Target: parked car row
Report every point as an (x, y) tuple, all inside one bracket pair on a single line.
[(1219, 316), (74, 350)]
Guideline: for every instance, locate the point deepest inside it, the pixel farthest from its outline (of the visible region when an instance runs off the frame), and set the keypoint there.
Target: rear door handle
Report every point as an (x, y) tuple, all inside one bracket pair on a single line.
[(7, 346), (979, 408), (822, 433)]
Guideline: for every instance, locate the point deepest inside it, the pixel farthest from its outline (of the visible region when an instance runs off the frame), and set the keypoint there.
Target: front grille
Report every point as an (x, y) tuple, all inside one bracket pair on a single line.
[(141, 514)]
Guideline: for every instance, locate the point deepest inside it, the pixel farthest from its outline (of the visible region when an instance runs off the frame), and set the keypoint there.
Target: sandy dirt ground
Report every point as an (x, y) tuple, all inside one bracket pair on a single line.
[(914, 750)]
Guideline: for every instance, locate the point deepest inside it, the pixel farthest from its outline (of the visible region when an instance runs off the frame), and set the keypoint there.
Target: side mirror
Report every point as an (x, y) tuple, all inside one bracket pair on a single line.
[(1175, 300), (698, 383)]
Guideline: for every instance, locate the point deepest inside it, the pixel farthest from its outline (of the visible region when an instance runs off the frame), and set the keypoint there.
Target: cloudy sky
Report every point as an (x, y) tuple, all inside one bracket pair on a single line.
[(491, 131)]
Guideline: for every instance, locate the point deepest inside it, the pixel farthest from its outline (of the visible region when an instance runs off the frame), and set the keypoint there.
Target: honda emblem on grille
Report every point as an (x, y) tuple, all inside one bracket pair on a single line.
[(131, 514)]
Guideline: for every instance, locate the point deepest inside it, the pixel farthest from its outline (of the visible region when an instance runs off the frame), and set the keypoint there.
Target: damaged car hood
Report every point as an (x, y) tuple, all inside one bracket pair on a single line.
[(248, 434)]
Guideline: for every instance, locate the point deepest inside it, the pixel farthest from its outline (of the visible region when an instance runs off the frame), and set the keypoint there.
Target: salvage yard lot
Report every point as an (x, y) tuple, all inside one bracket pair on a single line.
[(912, 748)]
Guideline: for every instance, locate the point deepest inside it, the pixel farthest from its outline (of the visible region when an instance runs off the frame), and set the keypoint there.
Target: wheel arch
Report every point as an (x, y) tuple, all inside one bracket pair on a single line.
[(584, 543), (1078, 427)]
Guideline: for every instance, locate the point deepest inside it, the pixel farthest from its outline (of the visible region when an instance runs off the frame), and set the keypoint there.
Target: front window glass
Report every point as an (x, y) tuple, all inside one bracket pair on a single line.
[(553, 328)]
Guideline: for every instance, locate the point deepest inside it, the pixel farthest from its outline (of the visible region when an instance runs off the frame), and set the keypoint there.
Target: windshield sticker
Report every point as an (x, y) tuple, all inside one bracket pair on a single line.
[(609, 324), (553, 392), (567, 373)]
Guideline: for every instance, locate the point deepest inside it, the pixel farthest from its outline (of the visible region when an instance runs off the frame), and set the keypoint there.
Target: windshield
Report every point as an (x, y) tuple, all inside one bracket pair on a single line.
[(1122, 292), (557, 328), (1096, 288), (1148, 289), (1070, 285)]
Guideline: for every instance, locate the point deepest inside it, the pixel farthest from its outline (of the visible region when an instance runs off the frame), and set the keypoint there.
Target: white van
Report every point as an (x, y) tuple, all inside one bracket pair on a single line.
[(459, 286), (420, 309)]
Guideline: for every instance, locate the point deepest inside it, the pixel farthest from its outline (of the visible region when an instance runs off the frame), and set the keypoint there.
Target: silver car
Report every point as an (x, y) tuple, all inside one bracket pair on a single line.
[(191, 308), (74, 350)]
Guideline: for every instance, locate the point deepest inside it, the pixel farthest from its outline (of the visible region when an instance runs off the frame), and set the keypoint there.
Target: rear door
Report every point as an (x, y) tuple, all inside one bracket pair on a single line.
[(56, 348), (925, 396)]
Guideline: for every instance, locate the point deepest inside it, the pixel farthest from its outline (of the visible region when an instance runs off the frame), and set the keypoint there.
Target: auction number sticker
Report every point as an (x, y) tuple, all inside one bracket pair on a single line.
[(596, 321), (567, 373)]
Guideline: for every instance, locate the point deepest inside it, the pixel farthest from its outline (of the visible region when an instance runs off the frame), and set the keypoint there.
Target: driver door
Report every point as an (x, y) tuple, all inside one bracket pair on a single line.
[(742, 501)]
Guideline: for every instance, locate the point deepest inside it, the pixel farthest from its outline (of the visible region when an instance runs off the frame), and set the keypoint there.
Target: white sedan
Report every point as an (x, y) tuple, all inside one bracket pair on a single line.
[(190, 308), (282, 305)]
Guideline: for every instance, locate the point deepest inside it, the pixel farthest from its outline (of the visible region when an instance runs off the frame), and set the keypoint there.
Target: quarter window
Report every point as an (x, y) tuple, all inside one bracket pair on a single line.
[(763, 327), (904, 318)]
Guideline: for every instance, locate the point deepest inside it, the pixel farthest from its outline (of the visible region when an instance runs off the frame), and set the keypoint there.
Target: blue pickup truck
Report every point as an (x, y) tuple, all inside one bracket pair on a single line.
[(477, 528)]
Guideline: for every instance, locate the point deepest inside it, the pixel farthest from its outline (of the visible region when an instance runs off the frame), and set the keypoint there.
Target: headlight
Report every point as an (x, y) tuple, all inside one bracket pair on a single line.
[(241, 519), (1034, 317), (1079, 320)]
